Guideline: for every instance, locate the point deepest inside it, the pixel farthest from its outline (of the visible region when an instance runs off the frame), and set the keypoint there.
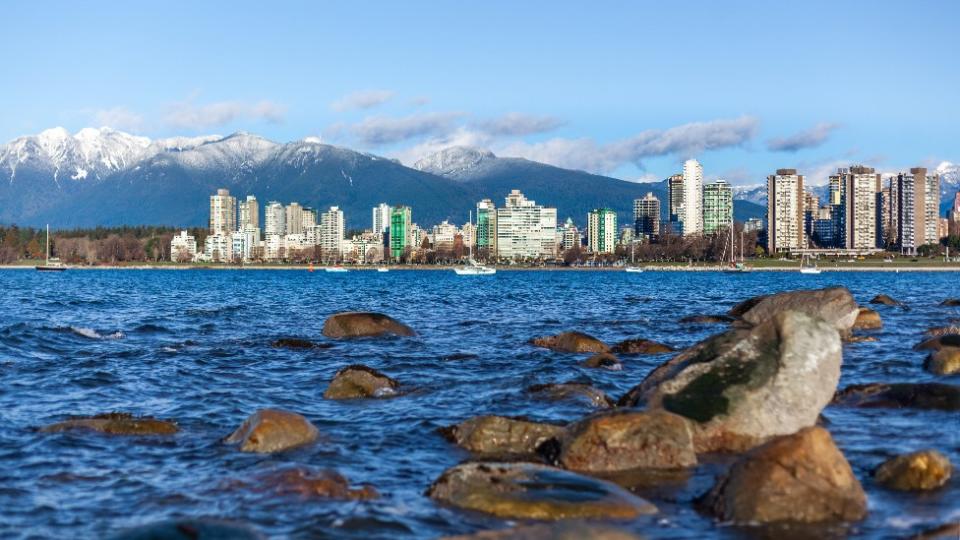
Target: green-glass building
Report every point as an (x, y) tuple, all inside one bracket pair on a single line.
[(401, 221)]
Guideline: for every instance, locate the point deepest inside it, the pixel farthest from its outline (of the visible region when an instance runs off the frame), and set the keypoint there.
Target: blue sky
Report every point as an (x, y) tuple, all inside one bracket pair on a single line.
[(628, 89)]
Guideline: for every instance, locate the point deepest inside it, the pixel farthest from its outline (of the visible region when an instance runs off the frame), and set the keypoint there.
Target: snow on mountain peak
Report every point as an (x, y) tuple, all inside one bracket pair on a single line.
[(453, 160)]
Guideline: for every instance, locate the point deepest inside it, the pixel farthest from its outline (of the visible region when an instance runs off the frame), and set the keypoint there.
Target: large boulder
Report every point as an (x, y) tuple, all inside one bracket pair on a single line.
[(116, 424), (561, 530), (571, 342), (357, 381), (307, 483), (795, 478), (500, 436), (917, 471), (191, 529), (529, 491), (271, 430), (834, 305), (945, 361), (746, 385), (884, 300), (641, 346), (572, 391), (945, 397), (354, 324), (625, 440), (867, 319), (604, 361)]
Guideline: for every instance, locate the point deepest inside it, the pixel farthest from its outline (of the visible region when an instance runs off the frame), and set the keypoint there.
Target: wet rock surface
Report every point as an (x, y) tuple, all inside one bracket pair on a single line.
[(357, 324), (945, 397), (309, 483), (884, 300), (563, 530), (571, 342), (867, 319), (298, 343), (707, 319), (191, 529), (272, 430), (358, 381), (574, 391), (945, 361), (917, 471), (604, 361), (834, 305), (641, 346), (115, 424), (500, 436)]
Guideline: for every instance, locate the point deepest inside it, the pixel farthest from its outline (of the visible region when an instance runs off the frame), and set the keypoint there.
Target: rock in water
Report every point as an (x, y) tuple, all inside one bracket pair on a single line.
[(951, 302), (116, 424), (561, 530), (604, 361), (360, 324), (867, 319), (707, 319), (308, 483), (499, 436), (529, 491), (572, 342), (271, 430), (626, 440), (946, 361), (947, 531), (939, 342), (191, 529), (917, 471), (834, 305), (795, 478), (885, 300), (357, 381), (944, 397), (747, 385), (572, 391), (943, 331), (641, 346), (297, 343)]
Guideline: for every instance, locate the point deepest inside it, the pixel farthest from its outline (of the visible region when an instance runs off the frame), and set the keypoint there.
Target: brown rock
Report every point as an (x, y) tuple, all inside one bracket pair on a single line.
[(297, 343), (308, 483), (795, 478), (271, 430), (951, 302), (641, 346), (573, 391), (867, 319), (860, 339), (116, 424), (947, 531), (529, 491), (604, 361), (625, 440), (945, 397), (707, 319), (357, 381), (361, 324), (834, 305), (946, 361), (562, 530), (500, 436), (943, 331), (885, 300), (917, 471), (939, 342), (572, 342)]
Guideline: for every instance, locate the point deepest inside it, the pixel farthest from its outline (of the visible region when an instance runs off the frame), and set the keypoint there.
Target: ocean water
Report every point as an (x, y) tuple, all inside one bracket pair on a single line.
[(194, 346)]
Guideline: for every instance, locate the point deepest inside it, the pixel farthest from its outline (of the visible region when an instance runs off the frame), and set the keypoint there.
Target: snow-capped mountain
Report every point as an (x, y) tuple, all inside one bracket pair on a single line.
[(454, 162), (755, 193)]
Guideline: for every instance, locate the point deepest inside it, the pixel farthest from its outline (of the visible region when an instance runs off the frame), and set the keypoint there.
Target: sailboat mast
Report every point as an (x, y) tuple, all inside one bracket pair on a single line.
[(48, 243)]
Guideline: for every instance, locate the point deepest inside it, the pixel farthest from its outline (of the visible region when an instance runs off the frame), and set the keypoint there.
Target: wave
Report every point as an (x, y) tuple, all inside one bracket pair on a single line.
[(90, 333)]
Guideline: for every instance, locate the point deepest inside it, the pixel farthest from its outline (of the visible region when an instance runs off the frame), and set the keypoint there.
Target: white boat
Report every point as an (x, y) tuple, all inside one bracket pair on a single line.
[(334, 269), (51, 265), (632, 269), (808, 267), (382, 269), (473, 268)]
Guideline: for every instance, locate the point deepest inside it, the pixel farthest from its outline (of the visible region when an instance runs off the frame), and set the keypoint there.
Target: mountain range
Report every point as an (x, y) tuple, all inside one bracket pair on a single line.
[(107, 177)]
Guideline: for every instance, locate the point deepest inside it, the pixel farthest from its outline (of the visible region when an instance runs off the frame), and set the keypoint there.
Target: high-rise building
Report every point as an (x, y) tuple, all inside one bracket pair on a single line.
[(487, 227), (569, 235), (309, 219), (918, 205), (274, 219), (444, 236), (674, 197), (525, 230), (223, 213), (785, 205), (249, 214), (401, 225), (381, 218), (331, 232), (692, 213), (717, 207), (860, 215), (183, 247), (602, 230), (646, 216), (294, 217), (953, 216), (890, 214), (811, 207)]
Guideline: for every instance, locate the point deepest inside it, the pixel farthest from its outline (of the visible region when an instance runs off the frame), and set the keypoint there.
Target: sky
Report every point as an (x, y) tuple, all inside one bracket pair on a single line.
[(628, 89)]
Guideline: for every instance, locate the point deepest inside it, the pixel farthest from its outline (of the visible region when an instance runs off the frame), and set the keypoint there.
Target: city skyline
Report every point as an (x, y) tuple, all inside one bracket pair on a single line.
[(639, 124)]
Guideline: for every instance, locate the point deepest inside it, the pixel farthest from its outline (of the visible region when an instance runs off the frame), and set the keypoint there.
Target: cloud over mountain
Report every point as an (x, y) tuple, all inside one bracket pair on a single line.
[(189, 115)]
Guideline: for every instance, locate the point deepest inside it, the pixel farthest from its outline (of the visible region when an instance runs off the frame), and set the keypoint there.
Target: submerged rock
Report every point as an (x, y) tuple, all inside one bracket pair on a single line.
[(298, 343), (917, 471), (116, 424), (355, 324), (947, 531), (939, 342), (572, 342), (529, 491), (500, 436), (834, 305), (951, 302), (191, 529), (945, 361), (604, 361), (707, 319), (867, 319), (885, 300), (561, 530), (625, 440), (795, 478), (860, 339), (271, 430), (309, 483), (358, 381), (939, 396), (574, 391), (641, 346), (746, 385)]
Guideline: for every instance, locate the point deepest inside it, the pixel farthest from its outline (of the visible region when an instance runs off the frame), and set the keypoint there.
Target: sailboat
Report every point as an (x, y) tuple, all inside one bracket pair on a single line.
[(473, 268), (808, 266), (734, 266), (51, 265), (633, 267)]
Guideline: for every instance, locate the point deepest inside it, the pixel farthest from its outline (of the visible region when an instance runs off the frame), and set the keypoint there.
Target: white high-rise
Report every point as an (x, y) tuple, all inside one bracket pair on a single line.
[(223, 213), (294, 216), (331, 232), (381, 218), (526, 230), (274, 219), (692, 212), (249, 214)]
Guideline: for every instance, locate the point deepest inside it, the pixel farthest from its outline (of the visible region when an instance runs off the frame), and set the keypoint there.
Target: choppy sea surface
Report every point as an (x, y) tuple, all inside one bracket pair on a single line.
[(194, 346)]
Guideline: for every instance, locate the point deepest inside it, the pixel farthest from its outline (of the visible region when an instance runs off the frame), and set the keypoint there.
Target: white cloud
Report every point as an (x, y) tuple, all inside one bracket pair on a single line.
[(188, 115), (381, 130), (362, 99), (810, 138), (516, 124), (459, 137), (120, 118)]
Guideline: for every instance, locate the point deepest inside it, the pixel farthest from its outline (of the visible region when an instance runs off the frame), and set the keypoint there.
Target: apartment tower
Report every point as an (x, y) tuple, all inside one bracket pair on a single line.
[(785, 211)]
